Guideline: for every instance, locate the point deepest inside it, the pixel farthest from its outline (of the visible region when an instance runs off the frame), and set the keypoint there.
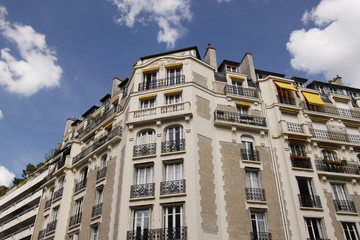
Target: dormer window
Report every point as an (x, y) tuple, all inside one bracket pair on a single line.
[(231, 68)]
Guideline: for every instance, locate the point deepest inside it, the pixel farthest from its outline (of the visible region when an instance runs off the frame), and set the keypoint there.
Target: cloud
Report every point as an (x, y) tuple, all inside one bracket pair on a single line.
[(37, 68), (167, 14), (332, 46), (1, 115), (6, 176)]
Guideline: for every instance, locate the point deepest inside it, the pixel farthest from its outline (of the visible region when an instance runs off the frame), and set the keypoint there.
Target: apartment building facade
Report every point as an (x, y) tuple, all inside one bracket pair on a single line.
[(184, 149)]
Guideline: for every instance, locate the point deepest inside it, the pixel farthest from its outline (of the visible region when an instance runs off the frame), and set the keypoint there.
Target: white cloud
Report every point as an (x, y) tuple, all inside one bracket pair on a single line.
[(332, 46), (1, 115), (6, 176), (167, 14), (36, 70)]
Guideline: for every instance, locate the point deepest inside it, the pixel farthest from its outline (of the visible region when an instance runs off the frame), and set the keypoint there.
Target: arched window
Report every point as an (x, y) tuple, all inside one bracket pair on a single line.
[(103, 160), (173, 139), (329, 155), (145, 137), (146, 143), (81, 183), (248, 149)]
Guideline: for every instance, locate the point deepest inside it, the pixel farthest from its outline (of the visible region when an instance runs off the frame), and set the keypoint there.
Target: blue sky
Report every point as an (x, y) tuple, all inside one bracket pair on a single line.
[(58, 58)]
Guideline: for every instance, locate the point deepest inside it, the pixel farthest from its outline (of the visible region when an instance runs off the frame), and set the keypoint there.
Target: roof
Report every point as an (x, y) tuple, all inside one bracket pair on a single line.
[(269, 73), (106, 97), (91, 110), (313, 83), (299, 79), (174, 51)]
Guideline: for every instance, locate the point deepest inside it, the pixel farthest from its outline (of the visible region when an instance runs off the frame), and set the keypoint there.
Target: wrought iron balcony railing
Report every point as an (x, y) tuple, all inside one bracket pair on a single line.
[(75, 219), (157, 83), (173, 146), (294, 127), (286, 100), (81, 184), (239, 118), (344, 206), (48, 202), (175, 233), (312, 201), (96, 210), (117, 131), (332, 110), (255, 194), (58, 193), (336, 136), (301, 162), (42, 234), (249, 154), (317, 239), (261, 236), (337, 167), (249, 92), (99, 120), (172, 187), (142, 190), (51, 226), (101, 173), (144, 149)]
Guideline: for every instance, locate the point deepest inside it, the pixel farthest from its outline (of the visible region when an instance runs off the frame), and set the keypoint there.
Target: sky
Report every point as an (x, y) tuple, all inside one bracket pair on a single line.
[(58, 58)]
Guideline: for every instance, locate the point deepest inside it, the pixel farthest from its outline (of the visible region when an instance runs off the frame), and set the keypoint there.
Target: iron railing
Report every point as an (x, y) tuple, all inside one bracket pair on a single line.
[(48, 202), (173, 146), (175, 233), (249, 154), (101, 173), (255, 194), (75, 219), (142, 190), (261, 236), (333, 166), (51, 226), (232, 89), (336, 136), (294, 127), (286, 100), (172, 187), (58, 193), (332, 110), (157, 83), (144, 149), (317, 239), (344, 206), (42, 234), (307, 200), (96, 210), (115, 132), (81, 184), (301, 162), (239, 118)]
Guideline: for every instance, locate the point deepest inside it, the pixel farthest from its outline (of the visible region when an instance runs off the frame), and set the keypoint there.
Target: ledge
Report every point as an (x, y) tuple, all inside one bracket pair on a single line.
[(170, 153), (146, 156), (173, 195), (311, 209), (142, 198)]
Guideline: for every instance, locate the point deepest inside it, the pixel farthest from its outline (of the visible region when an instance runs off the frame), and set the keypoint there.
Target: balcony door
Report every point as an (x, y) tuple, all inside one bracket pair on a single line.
[(141, 224), (258, 225), (307, 194), (144, 175), (247, 145), (350, 230), (315, 228), (146, 137), (173, 137), (339, 191), (173, 222), (252, 179), (173, 76), (150, 80)]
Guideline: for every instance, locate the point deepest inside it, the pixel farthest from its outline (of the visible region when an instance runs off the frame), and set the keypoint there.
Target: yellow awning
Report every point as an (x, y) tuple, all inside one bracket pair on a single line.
[(174, 65), (108, 125), (236, 77), (243, 104), (148, 96), (289, 109), (173, 91), (313, 98), (297, 139), (115, 99), (286, 86), (150, 69)]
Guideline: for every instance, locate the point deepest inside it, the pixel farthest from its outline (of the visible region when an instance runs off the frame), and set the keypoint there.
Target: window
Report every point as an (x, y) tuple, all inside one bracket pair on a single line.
[(78, 206), (358, 157), (247, 149), (74, 236), (173, 98), (307, 195), (242, 110), (94, 232), (147, 103), (99, 195), (144, 175), (143, 182), (252, 179), (146, 137), (297, 149), (174, 140), (103, 161), (259, 228), (350, 230), (231, 68), (54, 213), (83, 174), (174, 134), (173, 222), (254, 191), (315, 228), (174, 171), (149, 80), (174, 76), (329, 155), (141, 223)]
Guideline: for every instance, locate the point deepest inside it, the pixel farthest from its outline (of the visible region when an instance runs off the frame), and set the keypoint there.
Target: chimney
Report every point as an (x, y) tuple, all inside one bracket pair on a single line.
[(337, 81), (210, 56), (115, 86)]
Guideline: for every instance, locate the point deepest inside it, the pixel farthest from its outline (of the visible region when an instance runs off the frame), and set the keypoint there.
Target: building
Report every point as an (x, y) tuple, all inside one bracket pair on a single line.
[(19, 207), (184, 149)]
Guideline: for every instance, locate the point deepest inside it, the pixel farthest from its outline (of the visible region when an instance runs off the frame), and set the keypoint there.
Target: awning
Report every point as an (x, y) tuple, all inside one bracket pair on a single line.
[(108, 125), (174, 65), (173, 91), (148, 96), (150, 69), (236, 77), (286, 86), (243, 104), (313, 98), (115, 99)]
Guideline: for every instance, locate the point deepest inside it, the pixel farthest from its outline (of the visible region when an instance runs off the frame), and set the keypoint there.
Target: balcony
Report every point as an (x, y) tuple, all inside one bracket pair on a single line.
[(48, 202), (249, 155), (261, 236), (332, 110), (345, 206), (164, 82), (98, 121), (81, 184), (234, 117), (145, 149), (286, 100), (96, 210), (294, 127), (161, 112), (22, 233), (301, 162), (311, 201), (317, 239), (255, 194), (42, 234), (101, 173), (176, 233), (172, 187), (117, 131), (337, 167), (335, 136), (142, 190), (240, 91), (51, 226), (58, 193), (173, 146), (75, 219)]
